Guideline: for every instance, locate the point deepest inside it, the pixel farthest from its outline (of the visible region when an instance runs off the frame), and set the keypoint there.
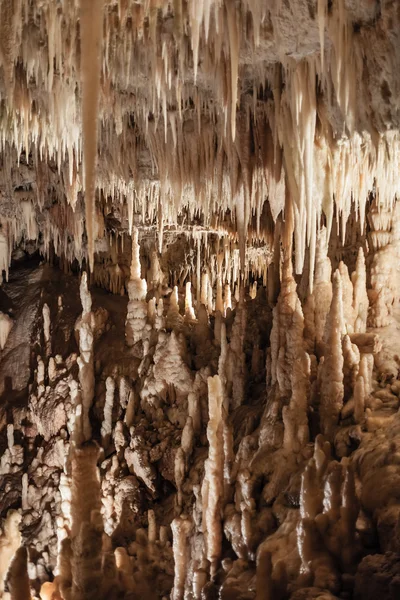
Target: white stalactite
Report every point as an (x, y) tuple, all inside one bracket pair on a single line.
[(91, 25)]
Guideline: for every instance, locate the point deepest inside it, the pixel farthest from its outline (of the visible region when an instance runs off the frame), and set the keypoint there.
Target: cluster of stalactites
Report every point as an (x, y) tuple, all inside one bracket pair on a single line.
[(212, 269), (212, 140)]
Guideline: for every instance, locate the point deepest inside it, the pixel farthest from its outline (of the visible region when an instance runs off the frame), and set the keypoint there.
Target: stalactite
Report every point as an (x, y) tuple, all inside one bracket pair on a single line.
[(91, 22)]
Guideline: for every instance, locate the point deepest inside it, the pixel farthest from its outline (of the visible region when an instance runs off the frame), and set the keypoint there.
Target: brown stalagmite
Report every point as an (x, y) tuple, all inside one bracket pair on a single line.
[(351, 365), (6, 324), (331, 391), (213, 483), (264, 590), (87, 523), (359, 400), (347, 296), (85, 487), (295, 416), (384, 291), (87, 573), (137, 289), (181, 527), (85, 326), (18, 580), (10, 541), (287, 330), (106, 427), (317, 304), (91, 36), (360, 296), (235, 364)]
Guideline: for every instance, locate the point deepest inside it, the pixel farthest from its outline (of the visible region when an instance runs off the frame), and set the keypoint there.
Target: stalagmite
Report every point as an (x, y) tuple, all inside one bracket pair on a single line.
[(85, 485), (4, 255), (181, 527), (359, 399), (189, 310), (331, 394), (137, 289), (24, 493), (360, 297), (264, 577), (86, 559), (236, 360), (295, 417), (347, 297), (10, 541), (204, 289), (87, 526), (18, 580), (5, 327), (85, 327), (46, 324), (212, 487), (227, 298), (383, 293), (366, 371), (287, 330), (106, 427)]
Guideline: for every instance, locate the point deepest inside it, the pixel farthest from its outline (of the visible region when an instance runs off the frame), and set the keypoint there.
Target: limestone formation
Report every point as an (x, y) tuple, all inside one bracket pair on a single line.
[(199, 299)]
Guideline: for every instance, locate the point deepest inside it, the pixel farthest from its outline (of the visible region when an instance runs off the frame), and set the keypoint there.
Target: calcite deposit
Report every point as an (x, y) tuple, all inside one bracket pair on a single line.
[(199, 299)]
